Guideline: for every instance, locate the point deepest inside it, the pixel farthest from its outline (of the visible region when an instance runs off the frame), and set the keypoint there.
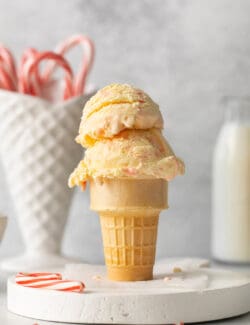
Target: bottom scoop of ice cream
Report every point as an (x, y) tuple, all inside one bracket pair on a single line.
[(131, 154)]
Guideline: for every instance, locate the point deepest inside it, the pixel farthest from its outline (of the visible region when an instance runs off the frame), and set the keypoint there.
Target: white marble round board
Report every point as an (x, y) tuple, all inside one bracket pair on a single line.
[(182, 291)]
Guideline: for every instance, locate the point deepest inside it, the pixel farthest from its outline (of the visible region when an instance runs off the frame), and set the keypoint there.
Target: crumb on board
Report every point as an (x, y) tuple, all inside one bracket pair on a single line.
[(96, 277), (177, 269), (204, 264)]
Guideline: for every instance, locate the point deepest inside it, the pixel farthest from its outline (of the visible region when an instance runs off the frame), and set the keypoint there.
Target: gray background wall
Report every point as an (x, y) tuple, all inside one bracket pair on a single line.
[(186, 55)]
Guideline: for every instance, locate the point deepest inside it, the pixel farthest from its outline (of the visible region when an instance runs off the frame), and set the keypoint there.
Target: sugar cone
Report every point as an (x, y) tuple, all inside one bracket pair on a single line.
[(129, 210)]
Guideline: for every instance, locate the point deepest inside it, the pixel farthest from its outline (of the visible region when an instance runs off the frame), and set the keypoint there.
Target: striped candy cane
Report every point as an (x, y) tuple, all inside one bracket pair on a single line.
[(8, 75), (29, 79), (7, 57), (30, 83), (52, 281), (87, 60), (5, 79), (28, 57), (29, 278)]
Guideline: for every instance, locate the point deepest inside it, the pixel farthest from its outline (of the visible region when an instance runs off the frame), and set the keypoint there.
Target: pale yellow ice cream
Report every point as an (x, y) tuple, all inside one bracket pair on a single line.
[(121, 128), (115, 108), (133, 154)]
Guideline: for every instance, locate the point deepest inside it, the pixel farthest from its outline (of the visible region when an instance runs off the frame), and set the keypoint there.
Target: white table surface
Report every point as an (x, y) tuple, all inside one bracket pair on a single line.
[(7, 318)]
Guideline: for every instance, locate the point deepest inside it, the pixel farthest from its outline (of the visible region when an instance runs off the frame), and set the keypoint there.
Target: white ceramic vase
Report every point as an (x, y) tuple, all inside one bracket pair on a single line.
[(38, 153)]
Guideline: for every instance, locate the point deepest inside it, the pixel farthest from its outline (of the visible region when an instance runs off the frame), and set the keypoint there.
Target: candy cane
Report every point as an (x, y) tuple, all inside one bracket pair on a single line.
[(52, 281), (29, 80), (28, 57), (5, 80), (8, 58), (30, 278), (29, 53), (7, 62), (8, 81), (87, 60), (61, 285)]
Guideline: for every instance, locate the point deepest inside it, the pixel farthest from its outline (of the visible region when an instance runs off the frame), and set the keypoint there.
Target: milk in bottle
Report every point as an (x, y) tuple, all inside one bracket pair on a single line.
[(231, 185)]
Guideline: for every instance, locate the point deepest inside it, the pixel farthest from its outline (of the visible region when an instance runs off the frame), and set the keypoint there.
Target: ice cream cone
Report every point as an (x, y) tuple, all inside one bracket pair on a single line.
[(129, 210), (128, 163)]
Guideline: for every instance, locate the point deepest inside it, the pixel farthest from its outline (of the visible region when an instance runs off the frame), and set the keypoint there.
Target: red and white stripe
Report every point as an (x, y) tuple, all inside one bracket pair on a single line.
[(5, 79), (28, 57), (52, 281), (31, 83), (86, 62), (8, 75)]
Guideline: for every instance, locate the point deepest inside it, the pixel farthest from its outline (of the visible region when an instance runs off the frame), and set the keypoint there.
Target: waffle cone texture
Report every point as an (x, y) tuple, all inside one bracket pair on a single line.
[(129, 224)]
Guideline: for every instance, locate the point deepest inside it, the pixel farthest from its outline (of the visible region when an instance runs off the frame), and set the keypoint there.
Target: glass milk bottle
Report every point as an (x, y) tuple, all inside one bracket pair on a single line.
[(231, 185)]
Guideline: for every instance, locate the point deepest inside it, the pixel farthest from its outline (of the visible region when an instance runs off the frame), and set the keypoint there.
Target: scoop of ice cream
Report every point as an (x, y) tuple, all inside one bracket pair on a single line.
[(115, 108), (131, 154)]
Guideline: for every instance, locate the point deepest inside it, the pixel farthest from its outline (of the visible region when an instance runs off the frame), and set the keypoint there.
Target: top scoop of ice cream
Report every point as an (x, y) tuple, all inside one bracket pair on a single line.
[(115, 108)]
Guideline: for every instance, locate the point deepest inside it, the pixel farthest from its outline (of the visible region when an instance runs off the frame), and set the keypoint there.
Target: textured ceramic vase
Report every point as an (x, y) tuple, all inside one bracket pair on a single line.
[(38, 153)]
